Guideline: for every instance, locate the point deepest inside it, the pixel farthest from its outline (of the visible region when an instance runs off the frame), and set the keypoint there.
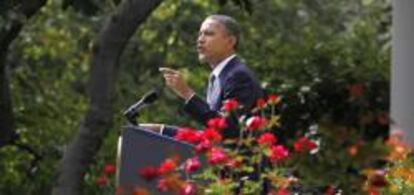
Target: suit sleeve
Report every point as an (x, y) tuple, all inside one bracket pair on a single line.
[(169, 130), (242, 88), (200, 110)]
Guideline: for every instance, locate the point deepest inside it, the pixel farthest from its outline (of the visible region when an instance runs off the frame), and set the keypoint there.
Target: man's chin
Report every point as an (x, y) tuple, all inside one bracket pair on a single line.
[(202, 59)]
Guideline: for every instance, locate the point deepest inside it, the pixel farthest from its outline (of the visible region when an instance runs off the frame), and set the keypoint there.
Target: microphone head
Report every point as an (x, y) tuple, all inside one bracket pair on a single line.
[(150, 97), (147, 99)]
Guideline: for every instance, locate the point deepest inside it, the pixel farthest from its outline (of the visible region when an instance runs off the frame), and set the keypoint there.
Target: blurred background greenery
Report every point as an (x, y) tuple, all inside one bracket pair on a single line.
[(291, 45)]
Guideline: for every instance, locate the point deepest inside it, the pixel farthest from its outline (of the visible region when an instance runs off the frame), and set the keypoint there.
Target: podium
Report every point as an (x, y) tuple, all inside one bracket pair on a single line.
[(139, 148)]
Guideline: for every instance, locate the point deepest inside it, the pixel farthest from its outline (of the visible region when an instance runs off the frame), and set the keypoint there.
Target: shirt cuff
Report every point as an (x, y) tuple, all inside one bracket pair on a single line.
[(191, 97), (162, 129)]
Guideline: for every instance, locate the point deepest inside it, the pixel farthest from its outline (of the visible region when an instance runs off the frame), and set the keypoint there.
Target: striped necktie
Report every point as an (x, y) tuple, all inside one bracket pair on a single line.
[(211, 90)]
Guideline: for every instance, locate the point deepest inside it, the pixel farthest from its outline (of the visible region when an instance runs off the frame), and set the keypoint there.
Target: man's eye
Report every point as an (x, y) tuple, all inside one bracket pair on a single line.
[(206, 33), (209, 33)]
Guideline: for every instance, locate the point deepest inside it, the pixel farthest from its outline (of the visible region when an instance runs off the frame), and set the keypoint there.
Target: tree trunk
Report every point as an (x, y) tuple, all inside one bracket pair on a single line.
[(104, 68), (7, 36), (6, 112)]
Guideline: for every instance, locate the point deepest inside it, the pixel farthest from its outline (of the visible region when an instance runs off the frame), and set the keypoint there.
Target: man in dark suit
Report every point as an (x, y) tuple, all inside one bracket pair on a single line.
[(217, 41)]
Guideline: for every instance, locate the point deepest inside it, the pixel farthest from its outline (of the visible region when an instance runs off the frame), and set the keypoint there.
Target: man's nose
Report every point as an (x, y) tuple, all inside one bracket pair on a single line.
[(200, 39)]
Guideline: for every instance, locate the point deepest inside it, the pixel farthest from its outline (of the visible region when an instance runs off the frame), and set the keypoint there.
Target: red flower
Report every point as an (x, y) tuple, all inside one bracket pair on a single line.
[(211, 135), (109, 169), (193, 164), (217, 123), (353, 150), (188, 135), (233, 164), (330, 190), (278, 153), (138, 191), (373, 191), (188, 189), (356, 90), (383, 119), (120, 190), (203, 146), (148, 173), (267, 139), (260, 103), (378, 179), (256, 123), (230, 105), (102, 180), (167, 166), (273, 99), (217, 156), (304, 144), (283, 191), (162, 185)]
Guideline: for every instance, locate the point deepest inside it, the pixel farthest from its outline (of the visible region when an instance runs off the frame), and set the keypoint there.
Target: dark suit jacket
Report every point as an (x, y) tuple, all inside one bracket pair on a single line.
[(237, 81)]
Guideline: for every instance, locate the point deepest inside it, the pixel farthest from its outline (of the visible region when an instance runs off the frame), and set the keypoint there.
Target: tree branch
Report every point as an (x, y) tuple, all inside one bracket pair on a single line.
[(111, 41), (7, 133)]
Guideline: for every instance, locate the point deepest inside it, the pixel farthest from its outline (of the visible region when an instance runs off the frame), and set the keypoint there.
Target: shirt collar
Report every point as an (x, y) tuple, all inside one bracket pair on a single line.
[(219, 68)]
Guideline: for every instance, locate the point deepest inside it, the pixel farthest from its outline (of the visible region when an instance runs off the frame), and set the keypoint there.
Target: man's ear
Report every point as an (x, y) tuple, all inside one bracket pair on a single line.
[(233, 41)]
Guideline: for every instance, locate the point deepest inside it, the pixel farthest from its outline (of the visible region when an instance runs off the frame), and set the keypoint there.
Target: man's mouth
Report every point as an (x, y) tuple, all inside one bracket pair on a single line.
[(200, 49)]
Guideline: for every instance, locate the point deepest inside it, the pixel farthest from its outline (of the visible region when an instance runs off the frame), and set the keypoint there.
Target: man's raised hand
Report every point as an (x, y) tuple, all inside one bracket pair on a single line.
[(175, 81)]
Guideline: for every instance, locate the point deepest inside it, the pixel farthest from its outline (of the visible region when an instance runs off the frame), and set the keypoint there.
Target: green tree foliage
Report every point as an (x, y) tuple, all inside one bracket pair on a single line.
[(291, 45), (294, 44), (49, 65)]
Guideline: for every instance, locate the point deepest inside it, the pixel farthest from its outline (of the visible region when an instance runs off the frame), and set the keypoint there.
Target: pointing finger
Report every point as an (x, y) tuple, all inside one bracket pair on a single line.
[(167, 70)]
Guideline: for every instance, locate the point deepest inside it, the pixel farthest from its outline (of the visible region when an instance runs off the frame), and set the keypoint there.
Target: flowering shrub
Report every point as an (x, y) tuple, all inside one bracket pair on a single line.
[(398, 176), (287, 145), (106, 180), (248, 164)]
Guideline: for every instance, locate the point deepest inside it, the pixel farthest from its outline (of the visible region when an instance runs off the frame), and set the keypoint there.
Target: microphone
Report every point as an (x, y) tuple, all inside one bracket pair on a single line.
[(147, 99)]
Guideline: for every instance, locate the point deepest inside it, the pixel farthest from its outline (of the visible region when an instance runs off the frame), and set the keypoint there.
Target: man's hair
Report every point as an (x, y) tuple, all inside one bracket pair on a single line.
[(230, 24)]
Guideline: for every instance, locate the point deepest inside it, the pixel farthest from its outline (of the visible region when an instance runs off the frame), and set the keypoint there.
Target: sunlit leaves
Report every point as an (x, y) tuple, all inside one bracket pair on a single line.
[(48, 65), (87, 7), (244, 4)]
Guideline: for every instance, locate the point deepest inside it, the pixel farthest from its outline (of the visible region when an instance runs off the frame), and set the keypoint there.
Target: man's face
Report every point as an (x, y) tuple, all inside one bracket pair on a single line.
[(214, 43)]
